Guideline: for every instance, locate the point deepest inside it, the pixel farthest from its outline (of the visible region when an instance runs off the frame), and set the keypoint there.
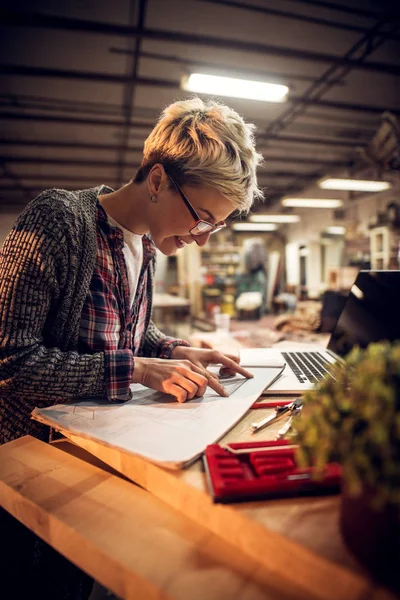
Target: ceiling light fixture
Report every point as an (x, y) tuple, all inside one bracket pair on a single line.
[(312, 202), (234, 88), (254, 226), (336, 230), (274, 218), (354, 185)]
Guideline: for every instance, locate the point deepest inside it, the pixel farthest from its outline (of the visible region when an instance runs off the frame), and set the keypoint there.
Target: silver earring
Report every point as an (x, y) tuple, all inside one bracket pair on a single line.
[(153, 198)]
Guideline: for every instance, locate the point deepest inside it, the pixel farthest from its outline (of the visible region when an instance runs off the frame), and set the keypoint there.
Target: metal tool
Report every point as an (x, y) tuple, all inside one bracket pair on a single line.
[(280, 412)]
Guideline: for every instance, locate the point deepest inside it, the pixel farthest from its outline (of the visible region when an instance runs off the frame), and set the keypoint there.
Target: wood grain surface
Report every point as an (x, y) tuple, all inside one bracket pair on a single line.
[(125, 538), (294, 539)]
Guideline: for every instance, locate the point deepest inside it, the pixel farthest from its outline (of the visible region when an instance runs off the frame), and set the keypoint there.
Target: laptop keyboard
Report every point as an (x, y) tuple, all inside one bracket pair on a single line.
[(307, 366)]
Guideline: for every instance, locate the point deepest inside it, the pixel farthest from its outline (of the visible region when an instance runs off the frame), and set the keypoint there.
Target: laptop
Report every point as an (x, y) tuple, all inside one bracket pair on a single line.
[(371, 313)]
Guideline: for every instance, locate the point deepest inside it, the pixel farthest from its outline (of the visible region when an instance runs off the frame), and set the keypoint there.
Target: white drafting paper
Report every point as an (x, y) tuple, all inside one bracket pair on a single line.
[(154, 425)]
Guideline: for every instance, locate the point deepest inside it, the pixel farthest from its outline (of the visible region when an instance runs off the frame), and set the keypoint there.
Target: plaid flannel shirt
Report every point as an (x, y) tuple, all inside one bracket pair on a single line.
[(107, 323)]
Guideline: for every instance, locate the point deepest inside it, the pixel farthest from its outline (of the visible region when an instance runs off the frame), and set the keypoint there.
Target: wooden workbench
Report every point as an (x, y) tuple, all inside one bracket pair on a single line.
[(127, 539), (298, 539), (169, 536)]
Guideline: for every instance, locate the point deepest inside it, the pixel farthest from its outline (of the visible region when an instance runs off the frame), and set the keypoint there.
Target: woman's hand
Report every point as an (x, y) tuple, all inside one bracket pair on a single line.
[(183, 379), (202, 358)]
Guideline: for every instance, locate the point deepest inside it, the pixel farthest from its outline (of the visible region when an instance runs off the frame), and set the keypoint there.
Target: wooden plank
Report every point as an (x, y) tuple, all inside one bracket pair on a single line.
[(128, 540), (313, 557)]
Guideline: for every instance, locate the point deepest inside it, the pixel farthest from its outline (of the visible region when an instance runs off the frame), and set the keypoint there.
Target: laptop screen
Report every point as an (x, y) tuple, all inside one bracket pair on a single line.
[(371, 312)]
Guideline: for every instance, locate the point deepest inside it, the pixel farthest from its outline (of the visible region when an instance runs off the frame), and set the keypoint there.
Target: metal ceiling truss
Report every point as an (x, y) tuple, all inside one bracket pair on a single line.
[(138, 148), (81, 162), (360, 12), (173, 84), (300, 17), (275, 76), (65, 178), (72, 162), (334, 75), (130, 85), (367, 44), (15, 18), (51, 104), (83, 146), (292, 139)]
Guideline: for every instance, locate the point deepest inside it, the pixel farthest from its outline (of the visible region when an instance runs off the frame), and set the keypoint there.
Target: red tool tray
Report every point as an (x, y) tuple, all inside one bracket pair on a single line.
[(269, 473)]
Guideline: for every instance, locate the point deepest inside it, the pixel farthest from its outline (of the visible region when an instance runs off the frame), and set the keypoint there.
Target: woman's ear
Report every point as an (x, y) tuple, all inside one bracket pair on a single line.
[(155, 180)]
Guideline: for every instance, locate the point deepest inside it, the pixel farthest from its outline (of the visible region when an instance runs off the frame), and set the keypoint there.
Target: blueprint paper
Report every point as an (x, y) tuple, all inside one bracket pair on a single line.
[(154, 425)]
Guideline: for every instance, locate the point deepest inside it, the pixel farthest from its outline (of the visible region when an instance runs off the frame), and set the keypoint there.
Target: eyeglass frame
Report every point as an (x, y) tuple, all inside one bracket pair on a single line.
[(211, 228)]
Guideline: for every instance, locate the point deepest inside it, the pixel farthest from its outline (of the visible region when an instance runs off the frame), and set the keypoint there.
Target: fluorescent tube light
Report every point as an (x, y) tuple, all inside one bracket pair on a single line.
[(254, 226), (312, 202), (236, 88), (354, 185), (336, 230), (274, 218)]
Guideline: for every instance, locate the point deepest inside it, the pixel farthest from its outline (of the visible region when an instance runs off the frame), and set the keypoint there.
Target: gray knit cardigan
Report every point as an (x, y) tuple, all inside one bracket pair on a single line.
[(46, 266)]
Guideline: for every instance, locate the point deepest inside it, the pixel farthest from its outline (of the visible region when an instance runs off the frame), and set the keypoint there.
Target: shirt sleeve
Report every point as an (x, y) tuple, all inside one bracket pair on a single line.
[(118, 368), (158, 345)]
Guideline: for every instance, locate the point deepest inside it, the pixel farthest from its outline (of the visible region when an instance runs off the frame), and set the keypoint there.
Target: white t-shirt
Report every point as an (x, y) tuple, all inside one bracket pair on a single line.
[(133, 254)]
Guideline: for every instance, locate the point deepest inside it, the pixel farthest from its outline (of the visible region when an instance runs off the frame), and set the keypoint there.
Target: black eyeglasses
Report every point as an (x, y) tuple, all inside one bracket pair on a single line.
[(201, 227)]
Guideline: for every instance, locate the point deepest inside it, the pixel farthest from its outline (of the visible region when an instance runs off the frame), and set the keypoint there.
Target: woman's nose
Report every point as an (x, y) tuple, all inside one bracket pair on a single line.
[(201, 240)]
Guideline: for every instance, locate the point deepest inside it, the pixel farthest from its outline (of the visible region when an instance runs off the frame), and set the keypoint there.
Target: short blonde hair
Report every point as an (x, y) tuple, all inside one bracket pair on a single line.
[(208, 144)]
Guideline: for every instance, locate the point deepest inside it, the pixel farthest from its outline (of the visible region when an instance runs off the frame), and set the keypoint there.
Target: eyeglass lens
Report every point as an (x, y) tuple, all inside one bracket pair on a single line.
[(203, 227)]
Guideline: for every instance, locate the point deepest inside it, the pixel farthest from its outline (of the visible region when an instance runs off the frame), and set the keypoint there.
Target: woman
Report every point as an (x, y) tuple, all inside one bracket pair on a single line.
[(77, 271), (76, 274)]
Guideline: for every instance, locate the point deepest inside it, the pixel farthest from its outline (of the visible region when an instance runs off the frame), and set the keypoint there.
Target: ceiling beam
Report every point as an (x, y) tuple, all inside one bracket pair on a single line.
[(77, 179), (64, 161), (61, 179), (306, 160), (64, 144), (174, 84), (25, 71), (29, 101), (9, 116), (350, 10), (18, 188), (51, 104), (295, 139), (228, 69), (366, 45), (130, 87), (32, 19), (78, 183), (261, 140), (108, 163), (299, 17), (16, 178)]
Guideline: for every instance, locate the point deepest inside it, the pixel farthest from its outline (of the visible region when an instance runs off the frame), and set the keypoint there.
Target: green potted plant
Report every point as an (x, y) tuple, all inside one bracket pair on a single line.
[(353, 418)]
